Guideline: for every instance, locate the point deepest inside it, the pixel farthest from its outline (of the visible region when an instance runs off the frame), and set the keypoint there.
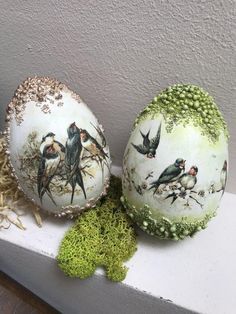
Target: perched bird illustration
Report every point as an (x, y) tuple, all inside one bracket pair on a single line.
[(170, 174), (73, 151), (223, 177), (100, 132), (91, 145), (149, 146), (51, 155), (48, 140), (187, 181)]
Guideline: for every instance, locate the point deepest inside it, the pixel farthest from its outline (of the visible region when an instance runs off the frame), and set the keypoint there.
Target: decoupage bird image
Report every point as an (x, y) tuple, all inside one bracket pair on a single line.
[(149, 146), (49, 139), (91, 145), (170, 174), (51, 156), (73, 152), (187, 181), (223, 177)]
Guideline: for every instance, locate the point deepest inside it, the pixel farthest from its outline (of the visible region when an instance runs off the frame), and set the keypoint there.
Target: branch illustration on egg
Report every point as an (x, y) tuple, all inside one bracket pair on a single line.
[(175, 163), (56, 147)]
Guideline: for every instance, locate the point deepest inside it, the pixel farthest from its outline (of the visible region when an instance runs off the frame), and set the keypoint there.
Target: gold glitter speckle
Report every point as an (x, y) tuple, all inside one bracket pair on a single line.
[(42, 90)]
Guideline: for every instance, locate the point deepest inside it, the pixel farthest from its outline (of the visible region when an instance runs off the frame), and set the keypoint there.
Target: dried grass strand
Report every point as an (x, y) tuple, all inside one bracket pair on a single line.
[(12, 201)]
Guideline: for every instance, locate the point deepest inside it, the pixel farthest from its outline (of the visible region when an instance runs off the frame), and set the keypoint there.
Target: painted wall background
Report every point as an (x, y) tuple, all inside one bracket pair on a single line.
[(118, 54)]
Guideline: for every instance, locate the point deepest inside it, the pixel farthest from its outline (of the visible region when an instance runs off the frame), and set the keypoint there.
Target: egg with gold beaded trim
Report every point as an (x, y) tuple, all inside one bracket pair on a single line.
[(56, 147)]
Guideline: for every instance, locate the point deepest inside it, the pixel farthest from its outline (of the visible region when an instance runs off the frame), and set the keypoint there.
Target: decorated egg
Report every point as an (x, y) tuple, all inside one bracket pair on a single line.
[(57, 149), (175, 163)]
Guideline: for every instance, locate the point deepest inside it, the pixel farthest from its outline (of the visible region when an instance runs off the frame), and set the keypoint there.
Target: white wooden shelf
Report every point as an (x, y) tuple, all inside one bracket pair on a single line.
[(197, 274)]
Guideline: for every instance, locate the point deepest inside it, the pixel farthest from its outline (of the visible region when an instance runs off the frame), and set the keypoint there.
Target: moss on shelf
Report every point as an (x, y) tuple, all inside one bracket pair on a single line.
[(102, 236)]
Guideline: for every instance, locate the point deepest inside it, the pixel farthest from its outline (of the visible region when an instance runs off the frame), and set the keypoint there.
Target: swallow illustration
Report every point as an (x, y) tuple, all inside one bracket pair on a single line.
[(187, 181), (170, 174), (100, 132), (91, 145), (149, 146), (223, 177), (73, 151), (52, 152), (47, 140)]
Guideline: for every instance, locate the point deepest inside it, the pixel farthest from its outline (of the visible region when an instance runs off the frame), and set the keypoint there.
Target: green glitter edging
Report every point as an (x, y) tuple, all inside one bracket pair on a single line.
[(180, 104), (165, 228)]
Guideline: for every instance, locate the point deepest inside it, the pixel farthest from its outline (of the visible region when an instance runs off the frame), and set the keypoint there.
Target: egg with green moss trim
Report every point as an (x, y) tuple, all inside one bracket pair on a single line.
[(175, 163), (57, 149)]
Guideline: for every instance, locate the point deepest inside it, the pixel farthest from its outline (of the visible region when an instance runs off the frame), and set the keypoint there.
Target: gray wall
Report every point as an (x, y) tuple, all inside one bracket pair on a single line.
[(118, 54)]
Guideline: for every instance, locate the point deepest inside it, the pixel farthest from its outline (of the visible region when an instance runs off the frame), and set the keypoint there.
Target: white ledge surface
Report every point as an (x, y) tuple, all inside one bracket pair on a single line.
[(197, 274)]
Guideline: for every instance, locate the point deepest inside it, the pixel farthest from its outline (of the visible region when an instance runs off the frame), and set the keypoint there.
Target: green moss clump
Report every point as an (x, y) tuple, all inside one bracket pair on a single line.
[(181, 104), (102, 236)]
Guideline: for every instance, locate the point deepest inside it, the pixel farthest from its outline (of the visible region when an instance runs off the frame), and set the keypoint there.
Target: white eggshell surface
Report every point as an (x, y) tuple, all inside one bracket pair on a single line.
[(48, 162)]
